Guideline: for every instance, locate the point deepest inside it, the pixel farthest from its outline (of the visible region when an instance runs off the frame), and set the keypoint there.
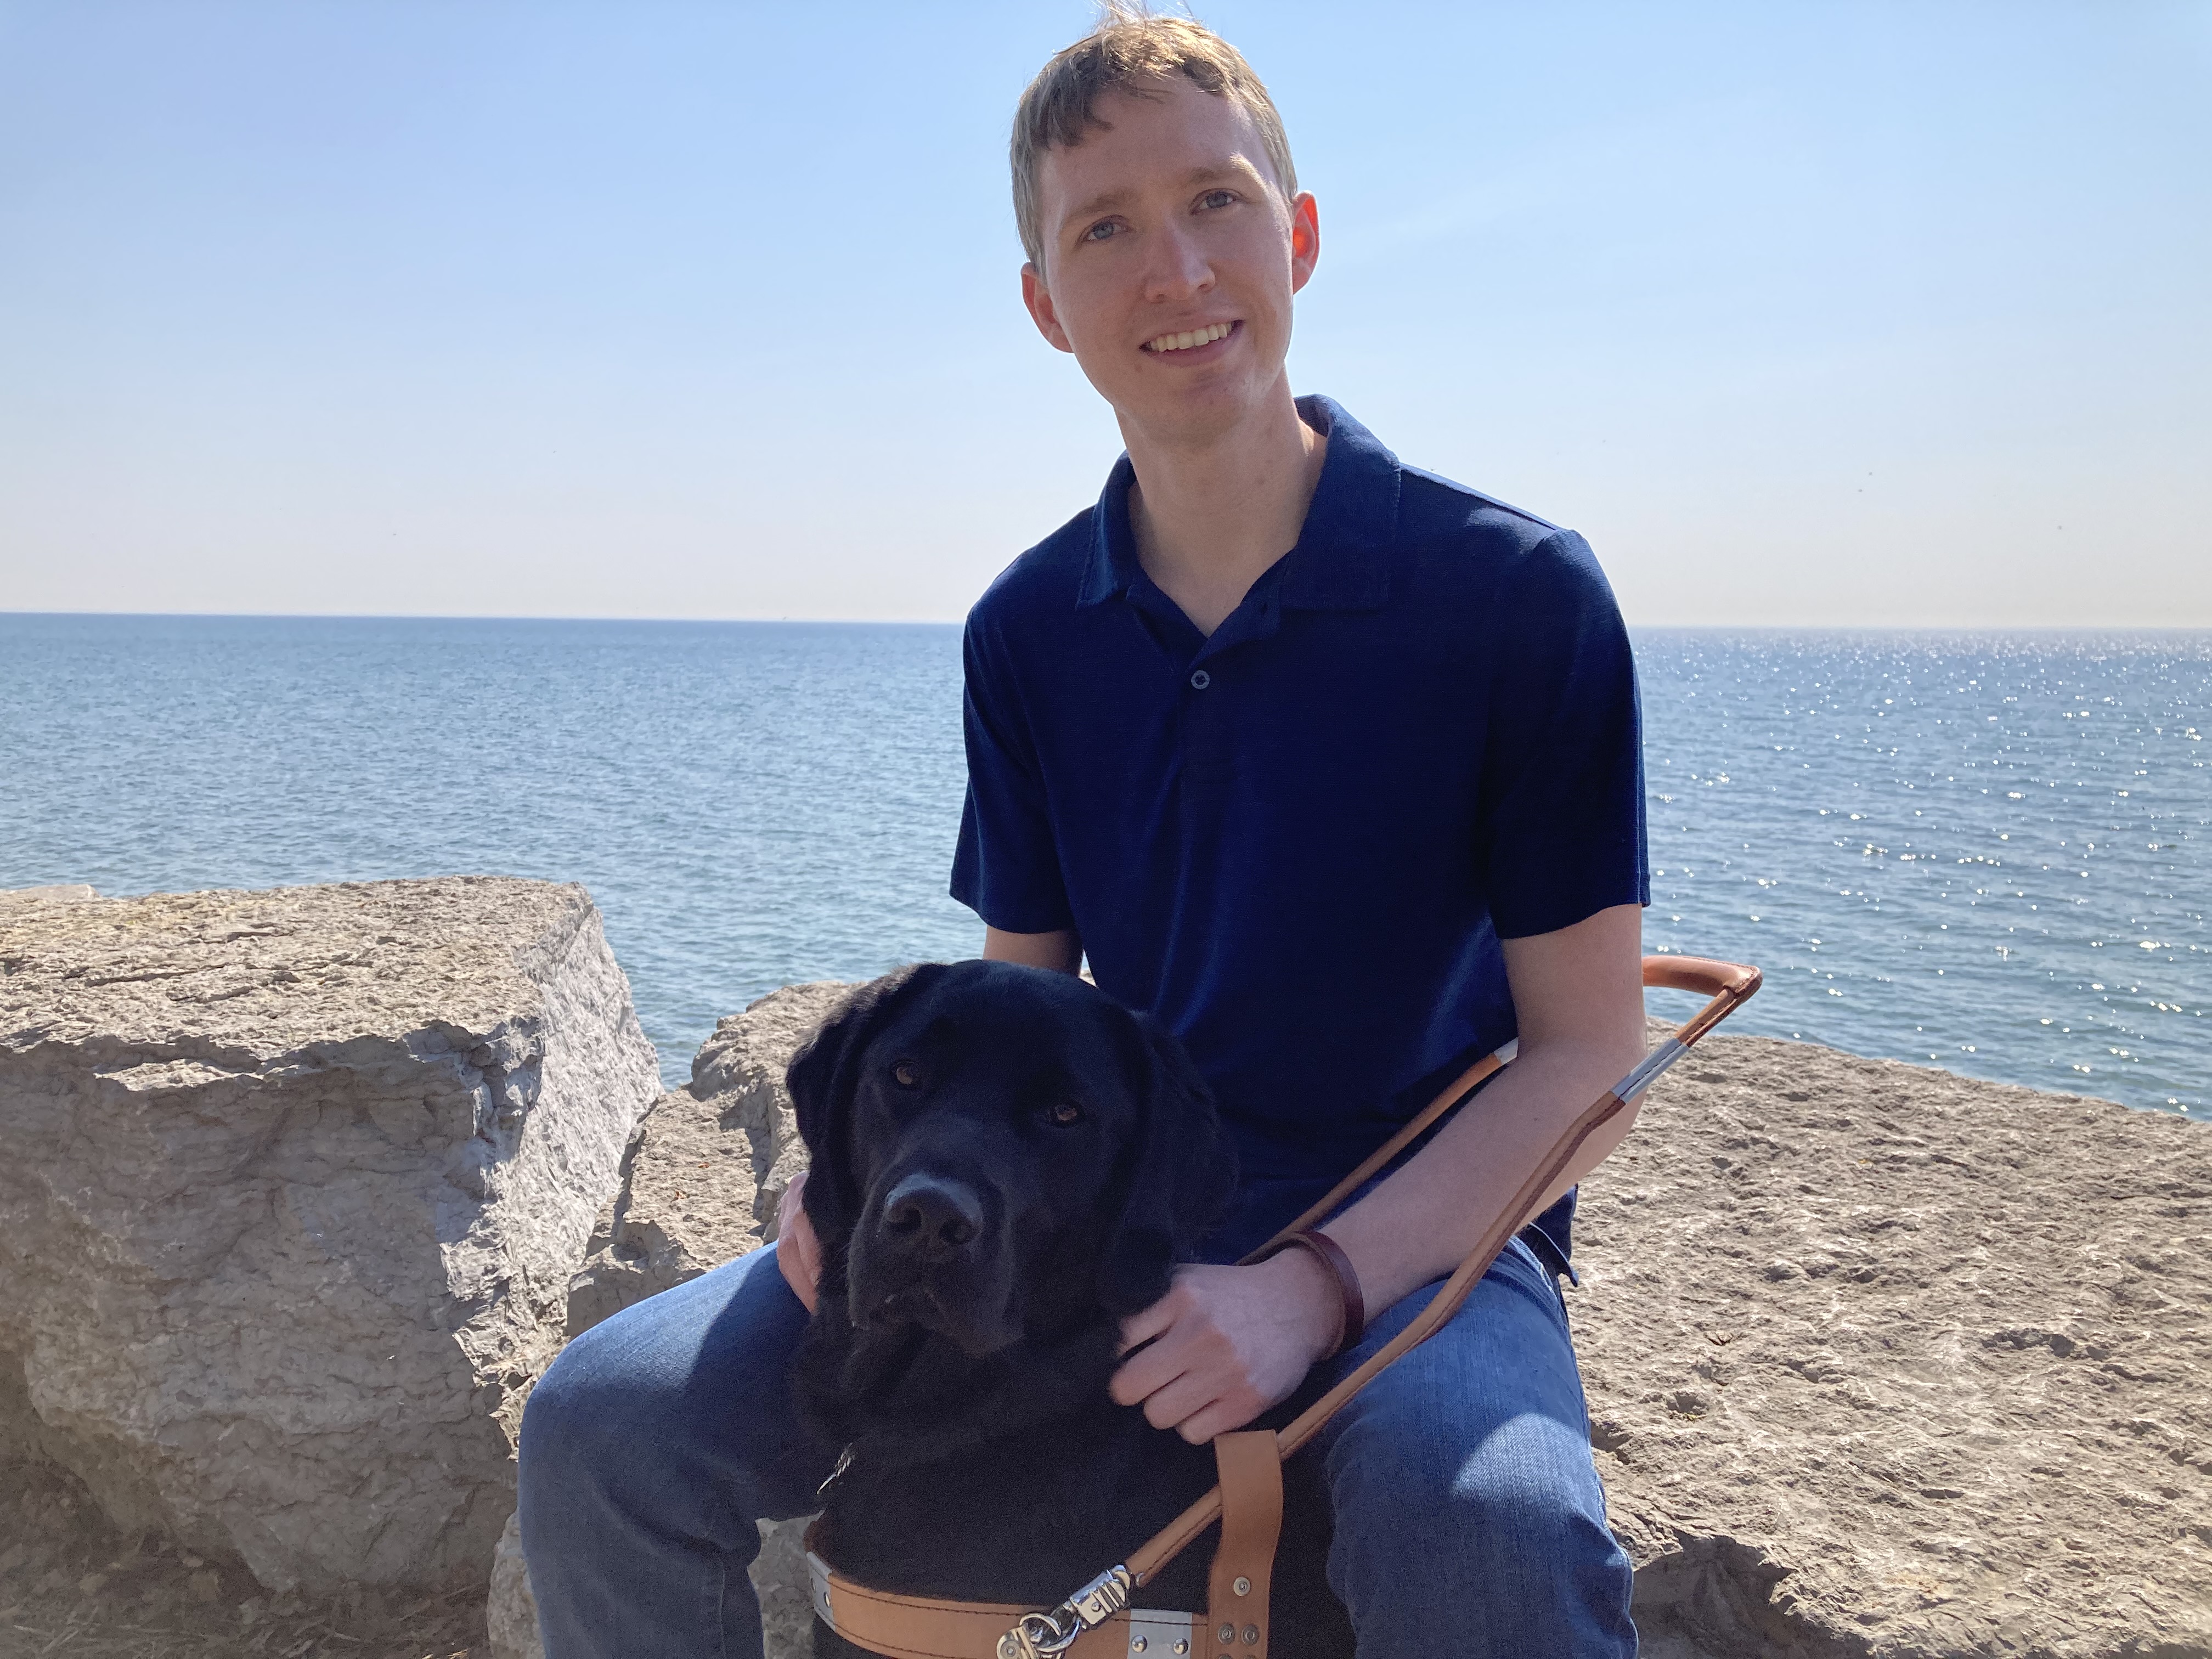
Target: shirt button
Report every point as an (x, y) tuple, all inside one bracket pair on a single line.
[(1200, 680)]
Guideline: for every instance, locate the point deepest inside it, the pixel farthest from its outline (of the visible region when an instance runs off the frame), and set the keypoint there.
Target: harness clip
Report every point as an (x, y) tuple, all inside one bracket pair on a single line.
[(1044, 1635)]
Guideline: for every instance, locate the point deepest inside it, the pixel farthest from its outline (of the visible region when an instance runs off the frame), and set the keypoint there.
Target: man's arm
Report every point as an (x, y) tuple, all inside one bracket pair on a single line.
[(1231, 1341), (1061, 951)]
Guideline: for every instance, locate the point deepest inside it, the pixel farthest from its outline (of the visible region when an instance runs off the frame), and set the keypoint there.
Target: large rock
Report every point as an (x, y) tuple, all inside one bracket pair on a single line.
[(295, 1184), (1884, 1361)]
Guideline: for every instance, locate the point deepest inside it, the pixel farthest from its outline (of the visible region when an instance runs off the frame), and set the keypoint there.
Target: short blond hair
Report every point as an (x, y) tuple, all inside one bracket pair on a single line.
[(1131, 45)]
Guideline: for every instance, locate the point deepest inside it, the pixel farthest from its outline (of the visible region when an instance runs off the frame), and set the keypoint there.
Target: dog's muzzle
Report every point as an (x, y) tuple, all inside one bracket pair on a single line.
[(930, 1219)]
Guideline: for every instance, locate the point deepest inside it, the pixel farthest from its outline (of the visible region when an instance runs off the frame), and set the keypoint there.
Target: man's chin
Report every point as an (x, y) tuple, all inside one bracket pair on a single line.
[(1195, 415)]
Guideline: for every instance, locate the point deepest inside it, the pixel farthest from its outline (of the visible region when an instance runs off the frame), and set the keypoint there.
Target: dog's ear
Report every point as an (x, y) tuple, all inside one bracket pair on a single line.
[(1180, 1174), (821, 1077)]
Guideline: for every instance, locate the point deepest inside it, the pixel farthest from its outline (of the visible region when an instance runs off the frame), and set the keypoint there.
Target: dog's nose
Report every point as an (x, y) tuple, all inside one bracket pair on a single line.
[(930, 1217)]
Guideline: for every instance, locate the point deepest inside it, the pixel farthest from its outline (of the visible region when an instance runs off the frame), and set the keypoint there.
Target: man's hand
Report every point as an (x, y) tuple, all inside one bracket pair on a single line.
[(1230, 1342), (798, 1252)]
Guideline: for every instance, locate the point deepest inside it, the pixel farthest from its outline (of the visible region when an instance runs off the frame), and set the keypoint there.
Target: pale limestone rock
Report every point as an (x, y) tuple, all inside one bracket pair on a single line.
[(296, 1181), (65, 893), (1885, 1361), (511, 1612)]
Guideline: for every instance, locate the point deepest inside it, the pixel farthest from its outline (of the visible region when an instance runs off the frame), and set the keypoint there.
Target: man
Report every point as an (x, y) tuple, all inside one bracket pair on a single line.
[(1331, 765)]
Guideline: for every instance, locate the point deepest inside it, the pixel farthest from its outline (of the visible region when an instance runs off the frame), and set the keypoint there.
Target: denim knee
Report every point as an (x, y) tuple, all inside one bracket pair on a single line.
[(592, 1418)]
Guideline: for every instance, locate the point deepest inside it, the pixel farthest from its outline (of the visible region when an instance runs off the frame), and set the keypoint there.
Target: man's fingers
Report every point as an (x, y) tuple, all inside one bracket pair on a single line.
[(797, 1273), (1144, 1373), (1171, 1406), (1143, 1326), (1218, 1417), (791, 1203), (798, 1252)]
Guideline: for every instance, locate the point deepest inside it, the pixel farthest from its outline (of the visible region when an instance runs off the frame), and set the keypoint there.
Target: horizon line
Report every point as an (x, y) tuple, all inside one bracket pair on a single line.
[(943, 622)]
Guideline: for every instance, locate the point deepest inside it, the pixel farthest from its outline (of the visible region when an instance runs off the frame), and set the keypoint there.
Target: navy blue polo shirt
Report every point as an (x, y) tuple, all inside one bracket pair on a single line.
[(1298, 842)]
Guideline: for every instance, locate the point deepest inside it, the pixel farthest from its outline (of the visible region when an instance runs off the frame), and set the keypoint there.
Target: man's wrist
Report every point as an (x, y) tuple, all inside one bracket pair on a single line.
[(1321, 1324)]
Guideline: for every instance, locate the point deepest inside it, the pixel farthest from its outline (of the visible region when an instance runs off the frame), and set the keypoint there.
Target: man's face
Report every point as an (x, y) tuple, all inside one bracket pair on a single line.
[(1170, 260)]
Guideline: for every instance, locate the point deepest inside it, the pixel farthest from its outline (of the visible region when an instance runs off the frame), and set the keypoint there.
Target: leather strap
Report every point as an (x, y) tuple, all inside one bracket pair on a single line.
[(1251, 1473), (1352, 1306), (933, 1627)]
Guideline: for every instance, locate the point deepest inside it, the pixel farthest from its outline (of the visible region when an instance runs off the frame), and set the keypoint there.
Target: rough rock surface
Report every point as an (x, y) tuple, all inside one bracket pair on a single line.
[(67, 893), (704, 1172), (296, 1181), (1883, 1361), (511, 1612), (700, 1180)]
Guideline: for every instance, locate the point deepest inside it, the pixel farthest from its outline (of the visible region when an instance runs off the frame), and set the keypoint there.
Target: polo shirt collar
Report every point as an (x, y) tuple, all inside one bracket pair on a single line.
[(1342, 562)]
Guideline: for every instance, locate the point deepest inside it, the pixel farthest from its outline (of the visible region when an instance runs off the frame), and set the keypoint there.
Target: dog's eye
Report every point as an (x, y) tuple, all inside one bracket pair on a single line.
[(1066, 1113), (907, 1073)]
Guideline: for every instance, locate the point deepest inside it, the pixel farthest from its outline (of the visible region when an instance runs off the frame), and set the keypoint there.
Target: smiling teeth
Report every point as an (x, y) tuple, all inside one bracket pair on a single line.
[(1197, 336)]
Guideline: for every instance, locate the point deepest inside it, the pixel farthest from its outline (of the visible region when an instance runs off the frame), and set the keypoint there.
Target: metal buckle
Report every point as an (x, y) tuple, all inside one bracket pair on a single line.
[(1042, 1635)]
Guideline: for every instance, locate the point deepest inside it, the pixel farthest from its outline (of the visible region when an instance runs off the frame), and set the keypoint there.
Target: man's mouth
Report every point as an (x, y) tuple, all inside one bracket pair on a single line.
[(1189, 339)]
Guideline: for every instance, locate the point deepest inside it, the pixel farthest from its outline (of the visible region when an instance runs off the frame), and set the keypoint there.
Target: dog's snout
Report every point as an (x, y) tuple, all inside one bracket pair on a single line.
[(930, 1217)]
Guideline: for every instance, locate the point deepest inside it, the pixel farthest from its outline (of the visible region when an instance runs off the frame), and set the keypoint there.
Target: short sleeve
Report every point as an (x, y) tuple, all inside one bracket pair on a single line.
[(1006, 868), (1559, 824)]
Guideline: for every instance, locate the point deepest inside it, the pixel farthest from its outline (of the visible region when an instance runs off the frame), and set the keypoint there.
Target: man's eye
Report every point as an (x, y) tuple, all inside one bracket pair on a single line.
[(1216, 198), (1066, 1114), (906, 1074), (1101, 231)]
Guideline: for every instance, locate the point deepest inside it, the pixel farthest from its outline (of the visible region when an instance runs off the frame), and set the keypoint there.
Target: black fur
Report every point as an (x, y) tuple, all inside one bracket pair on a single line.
[(969, 1379)]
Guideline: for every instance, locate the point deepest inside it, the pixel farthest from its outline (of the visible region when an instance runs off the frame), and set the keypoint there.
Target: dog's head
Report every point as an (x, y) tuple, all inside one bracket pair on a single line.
[(1001, 1152)]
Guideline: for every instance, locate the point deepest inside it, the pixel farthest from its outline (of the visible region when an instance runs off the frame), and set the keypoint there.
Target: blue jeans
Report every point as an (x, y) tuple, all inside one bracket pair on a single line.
[(1467, 1519)]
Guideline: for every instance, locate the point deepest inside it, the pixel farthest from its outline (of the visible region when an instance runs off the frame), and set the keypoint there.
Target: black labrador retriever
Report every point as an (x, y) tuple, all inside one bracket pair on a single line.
[(1006, 1162)]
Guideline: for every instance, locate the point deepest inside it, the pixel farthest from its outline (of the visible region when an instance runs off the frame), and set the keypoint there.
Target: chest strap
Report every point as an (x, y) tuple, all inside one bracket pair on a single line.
[(932, 1627)]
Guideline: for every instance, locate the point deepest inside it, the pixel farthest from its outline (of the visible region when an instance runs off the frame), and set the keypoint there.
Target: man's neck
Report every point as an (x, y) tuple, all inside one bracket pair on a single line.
[(1210, 518)]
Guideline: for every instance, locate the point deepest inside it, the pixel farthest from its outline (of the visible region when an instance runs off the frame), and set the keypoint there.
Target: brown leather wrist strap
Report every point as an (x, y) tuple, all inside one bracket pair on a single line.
[(1332, 1256), (1251, 1473)]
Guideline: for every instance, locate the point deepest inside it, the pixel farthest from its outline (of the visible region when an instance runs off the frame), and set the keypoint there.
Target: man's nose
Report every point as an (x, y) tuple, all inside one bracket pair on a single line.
[(930, 1218), (1179, 267)]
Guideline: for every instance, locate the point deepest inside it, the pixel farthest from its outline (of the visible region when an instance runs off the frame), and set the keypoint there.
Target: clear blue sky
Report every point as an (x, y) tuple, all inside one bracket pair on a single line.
[(1804, 312)]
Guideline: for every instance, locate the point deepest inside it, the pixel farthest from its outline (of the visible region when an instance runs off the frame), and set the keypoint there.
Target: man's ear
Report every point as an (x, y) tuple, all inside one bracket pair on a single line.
[(1181, 1175), (1046, 315), (821, 1077), (1305, 239)]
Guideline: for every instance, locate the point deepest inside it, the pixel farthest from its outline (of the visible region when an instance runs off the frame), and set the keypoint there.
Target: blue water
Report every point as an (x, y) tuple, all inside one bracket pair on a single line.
[(1985, 852)]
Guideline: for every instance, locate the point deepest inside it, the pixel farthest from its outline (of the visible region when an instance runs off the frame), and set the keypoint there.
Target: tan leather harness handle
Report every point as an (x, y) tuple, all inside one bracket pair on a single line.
[(1236, 1590)]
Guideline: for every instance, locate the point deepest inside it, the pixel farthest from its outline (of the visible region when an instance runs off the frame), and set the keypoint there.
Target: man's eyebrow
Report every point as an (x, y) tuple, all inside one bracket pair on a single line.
[(1102, 203), (1230, 166)]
